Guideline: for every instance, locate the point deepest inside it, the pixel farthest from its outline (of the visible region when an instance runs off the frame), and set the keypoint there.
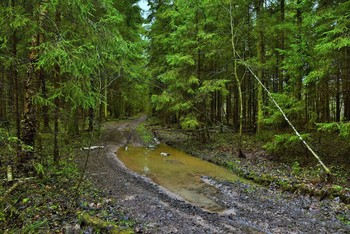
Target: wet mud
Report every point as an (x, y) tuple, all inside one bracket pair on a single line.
[(247, 208)]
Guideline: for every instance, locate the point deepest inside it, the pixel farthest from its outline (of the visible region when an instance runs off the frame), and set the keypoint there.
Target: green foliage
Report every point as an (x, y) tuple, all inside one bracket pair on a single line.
[(13, 144), (343, 129), (162, 100), (144, 133), (79, 94), (39, 168), (2, 216), (283, 141), (328, 127), (337, 188), (214, 85), (181, 31), (291, 106), (179, 60), (296, 169), (333, 28), (344, 219), (100, 225), (189, 122), (41, 101), (36, 226)]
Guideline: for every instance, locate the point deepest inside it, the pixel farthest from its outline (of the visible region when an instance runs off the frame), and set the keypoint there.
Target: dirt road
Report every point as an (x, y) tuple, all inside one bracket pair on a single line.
[(250, 209)]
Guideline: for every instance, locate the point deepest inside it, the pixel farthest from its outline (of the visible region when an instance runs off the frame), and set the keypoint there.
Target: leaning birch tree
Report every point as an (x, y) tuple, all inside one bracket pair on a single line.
[(327, 170)]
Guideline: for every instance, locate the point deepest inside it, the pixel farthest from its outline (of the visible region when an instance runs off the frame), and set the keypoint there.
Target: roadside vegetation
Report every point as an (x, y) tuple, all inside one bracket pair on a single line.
[(54, 200)]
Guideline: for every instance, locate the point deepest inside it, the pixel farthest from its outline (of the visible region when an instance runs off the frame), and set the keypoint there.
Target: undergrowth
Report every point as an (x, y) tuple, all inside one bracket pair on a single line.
[(50, 202), (144, 133)]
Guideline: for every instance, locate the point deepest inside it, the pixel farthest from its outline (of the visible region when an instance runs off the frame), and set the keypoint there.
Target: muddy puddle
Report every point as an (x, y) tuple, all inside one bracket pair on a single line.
[(178, 172)]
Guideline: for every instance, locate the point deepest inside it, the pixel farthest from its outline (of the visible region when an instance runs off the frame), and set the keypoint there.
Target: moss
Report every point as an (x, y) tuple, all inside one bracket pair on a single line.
[(287, 185), (101, 225)]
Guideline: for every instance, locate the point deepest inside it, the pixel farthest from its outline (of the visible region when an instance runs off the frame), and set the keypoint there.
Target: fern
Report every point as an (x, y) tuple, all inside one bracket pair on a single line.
[(328, 127), (343, 129)]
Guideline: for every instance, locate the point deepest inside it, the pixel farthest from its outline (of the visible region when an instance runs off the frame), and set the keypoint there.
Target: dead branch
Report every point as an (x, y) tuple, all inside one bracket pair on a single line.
[(8, 192)]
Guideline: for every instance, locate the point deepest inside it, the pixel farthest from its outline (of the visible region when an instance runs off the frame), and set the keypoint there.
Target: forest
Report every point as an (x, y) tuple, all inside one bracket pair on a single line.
[(245, 80)]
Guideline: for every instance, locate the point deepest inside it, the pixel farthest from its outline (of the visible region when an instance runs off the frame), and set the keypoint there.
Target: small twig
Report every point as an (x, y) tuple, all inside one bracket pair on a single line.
[(92, 147), (21, 180), (80, 180), (13, 187)]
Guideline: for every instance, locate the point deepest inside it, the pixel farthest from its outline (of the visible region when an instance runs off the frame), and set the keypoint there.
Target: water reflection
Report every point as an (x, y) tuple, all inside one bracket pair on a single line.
[(178, 172)]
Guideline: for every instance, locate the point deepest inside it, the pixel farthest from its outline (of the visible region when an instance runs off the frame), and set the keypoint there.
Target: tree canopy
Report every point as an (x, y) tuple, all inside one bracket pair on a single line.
[(71, 64)]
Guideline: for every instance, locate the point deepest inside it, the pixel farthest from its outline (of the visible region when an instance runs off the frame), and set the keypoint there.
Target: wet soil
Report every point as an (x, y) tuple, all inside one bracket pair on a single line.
[(249, 208)]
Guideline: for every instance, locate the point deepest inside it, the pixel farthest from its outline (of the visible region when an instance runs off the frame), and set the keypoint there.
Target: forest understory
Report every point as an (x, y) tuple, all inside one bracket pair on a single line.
[(55, 198), (113, 200)]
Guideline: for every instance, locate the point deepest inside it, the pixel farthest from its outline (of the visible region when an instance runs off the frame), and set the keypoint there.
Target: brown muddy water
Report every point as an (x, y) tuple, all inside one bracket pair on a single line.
[(179, 172)]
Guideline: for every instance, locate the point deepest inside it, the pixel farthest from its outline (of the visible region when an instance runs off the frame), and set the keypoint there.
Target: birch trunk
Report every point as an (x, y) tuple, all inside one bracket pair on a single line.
[(238, 83)]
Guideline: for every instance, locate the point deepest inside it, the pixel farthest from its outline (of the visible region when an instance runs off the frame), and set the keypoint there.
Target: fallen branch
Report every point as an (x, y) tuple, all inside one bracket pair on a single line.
[(8, 192), (14, 186), (9, 173), (21, 180), (92, 147)]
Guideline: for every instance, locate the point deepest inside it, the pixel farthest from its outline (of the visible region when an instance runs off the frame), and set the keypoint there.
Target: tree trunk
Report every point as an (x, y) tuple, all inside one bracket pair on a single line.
[(281, 57), (3, 104), (29, 121), (73, 125), (346, 85), (212, 107), (218, 107), (45, 108), (56, 116), (298, 78), (105, 98), (323, 89), (228, 105), (238, 83), (261, 59), (31, 89), (235, 109), (91, 119), (337, 98), (57, 80), (16, 85)]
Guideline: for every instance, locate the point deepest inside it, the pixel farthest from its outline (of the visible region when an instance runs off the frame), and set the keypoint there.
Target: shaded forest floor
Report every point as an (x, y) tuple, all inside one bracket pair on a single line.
[(50, 199), (115, 200)]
